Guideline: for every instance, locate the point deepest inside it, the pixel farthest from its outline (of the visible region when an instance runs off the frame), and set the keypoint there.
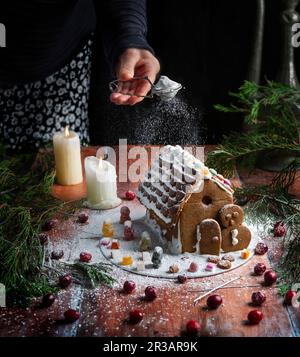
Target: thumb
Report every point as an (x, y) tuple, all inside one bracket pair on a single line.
[(126, 67)]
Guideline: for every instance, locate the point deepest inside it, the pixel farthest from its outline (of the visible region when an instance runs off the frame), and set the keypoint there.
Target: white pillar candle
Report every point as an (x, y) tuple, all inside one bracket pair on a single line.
[(101, 181), (67, 157)]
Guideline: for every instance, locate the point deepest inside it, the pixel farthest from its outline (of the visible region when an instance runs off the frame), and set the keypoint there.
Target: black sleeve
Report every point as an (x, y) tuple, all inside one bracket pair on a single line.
[(124, 24)]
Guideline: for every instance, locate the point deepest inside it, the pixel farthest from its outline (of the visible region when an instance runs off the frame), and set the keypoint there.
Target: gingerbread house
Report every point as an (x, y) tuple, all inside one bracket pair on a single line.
[(192, 205)]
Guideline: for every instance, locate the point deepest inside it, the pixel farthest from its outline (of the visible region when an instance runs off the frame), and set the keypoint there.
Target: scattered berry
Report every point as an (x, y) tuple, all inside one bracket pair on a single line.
[(85, 257), (279, 229), (130, 195), (214, 301), (50, 224), (150, 293), (259, 268), (258, 298), (261, 248), (193, 267), (71, 315), (129, 286), (135, 316), (181, 279), (270, 277), (255, 316), (65, 281), (48, 300), (43, 238), (83, 217), (289, 297), (193, 327), (57, 254)]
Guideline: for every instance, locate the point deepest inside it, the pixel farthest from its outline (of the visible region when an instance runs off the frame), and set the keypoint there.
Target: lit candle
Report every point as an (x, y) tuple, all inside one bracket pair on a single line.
[(67, 157), (101, 181)]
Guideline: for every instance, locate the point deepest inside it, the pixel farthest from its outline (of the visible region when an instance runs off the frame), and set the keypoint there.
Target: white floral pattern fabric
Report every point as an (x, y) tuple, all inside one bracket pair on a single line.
[(31, 113)]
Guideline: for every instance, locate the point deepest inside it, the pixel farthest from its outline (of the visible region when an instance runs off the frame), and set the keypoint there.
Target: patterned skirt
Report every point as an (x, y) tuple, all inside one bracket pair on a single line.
[(31, 113)]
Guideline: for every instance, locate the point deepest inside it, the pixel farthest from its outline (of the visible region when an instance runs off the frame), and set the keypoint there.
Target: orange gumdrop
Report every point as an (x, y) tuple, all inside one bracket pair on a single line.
[(115, 245), (127, 260)]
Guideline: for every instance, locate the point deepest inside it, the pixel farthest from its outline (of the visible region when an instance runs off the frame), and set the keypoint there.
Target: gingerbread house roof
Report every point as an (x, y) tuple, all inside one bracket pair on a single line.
[(173, 177)]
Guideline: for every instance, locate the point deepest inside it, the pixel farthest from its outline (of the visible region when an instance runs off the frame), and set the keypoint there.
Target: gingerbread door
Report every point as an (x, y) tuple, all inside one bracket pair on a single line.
[(210, 237)]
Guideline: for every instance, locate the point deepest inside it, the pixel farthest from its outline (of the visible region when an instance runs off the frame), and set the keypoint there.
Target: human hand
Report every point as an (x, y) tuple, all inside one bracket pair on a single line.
[(135, 62)]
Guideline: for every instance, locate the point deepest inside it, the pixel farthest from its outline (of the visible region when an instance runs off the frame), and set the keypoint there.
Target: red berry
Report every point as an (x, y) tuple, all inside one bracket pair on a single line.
[(258, 298), (181, 279), (270, 277), (214, 301), (261, 248), (150, 293), (83, 217), (193, 327), (50, 224), (71, 315), (193, 267), (129, 286), (130, 195), (289, 297), (85, 257), (65, 281), (57, 254), (279, 229), (259, 268), (255, 316), (43, 238), (48, 300), (135, 316)]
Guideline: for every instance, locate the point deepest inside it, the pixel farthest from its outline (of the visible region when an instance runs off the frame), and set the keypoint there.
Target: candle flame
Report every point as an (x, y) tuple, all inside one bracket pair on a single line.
[(67, 132), (100, 164)]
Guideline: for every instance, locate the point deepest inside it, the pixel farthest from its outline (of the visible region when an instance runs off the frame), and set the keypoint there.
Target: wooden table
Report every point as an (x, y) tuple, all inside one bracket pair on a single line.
[(104, 311)]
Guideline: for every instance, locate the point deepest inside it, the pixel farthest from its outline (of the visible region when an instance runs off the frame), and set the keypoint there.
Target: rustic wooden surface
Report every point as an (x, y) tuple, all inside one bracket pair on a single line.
[(104, 311)]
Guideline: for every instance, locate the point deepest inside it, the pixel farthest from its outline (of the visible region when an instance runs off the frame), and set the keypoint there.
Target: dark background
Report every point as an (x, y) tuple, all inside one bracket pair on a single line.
[(205, 45)]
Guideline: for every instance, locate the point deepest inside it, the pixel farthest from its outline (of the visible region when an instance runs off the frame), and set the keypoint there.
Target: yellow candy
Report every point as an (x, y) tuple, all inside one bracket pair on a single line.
[(108, 229), (205, 171), (127, 260), (245, 254)]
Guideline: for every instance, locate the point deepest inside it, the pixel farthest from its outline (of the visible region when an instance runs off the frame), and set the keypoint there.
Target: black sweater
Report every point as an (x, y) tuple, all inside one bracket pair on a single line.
[(43, 35)]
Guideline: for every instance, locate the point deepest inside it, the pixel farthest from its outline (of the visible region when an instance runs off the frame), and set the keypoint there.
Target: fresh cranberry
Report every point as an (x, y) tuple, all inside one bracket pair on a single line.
[(182, 279), (57, 254), (214, 301), (193, 267), (289, 297), (135, 316), (43, 238), (150, 293), (50, 224), (129, 286), (255, 316), (65, 281), (130, 195), (48, 300), (85, 257), (71, 315), (258, 298), (261, 248), (193, 327), (259, 268), (279, 229), (270, 277), (83, 217)]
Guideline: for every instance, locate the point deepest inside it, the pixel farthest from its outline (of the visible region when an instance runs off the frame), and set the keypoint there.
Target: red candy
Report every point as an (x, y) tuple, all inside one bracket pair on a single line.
[(193, 327), (258, 298), (150, 293), (288, 299), (214, 301), (259, 268), (193, 267), (71, 315), (129, 286), (85, 257), (279, 229), (83, 217), (130, 195), (261, 248), (270, 277), (255, 316), (135, 316)]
